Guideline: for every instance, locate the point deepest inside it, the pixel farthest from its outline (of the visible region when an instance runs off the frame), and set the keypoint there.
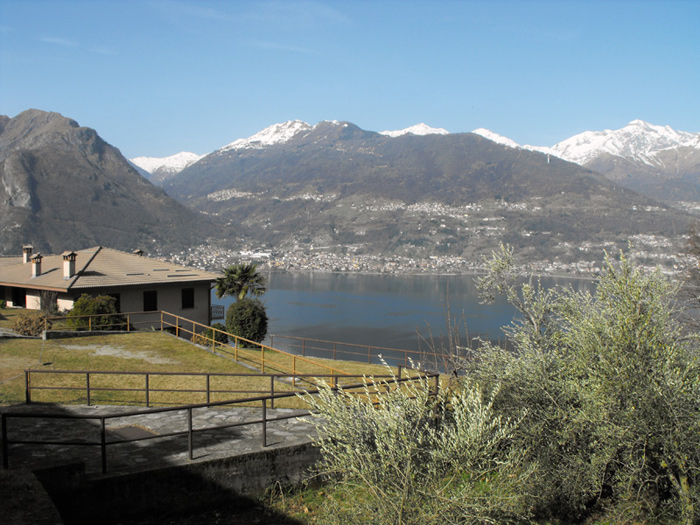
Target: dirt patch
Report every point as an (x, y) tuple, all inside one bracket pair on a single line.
[(118, 351), (133, 432), (11, 364)]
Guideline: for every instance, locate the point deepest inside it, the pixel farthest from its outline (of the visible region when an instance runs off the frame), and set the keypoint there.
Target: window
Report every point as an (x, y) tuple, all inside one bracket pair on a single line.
[(19, 297), (187, 298), (150, 300)]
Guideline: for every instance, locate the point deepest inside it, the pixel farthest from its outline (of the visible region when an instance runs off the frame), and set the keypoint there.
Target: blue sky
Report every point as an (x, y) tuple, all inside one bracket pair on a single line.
[(157, 77)]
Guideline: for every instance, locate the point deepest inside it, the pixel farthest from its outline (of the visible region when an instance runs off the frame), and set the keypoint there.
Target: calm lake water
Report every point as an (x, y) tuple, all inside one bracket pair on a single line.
[(381, 310)]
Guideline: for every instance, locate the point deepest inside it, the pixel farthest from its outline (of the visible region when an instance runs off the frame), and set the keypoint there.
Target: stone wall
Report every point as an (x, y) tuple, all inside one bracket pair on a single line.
[(175, 489)]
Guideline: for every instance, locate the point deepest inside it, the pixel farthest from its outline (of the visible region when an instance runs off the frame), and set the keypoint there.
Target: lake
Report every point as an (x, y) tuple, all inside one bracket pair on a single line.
[(382, 310)]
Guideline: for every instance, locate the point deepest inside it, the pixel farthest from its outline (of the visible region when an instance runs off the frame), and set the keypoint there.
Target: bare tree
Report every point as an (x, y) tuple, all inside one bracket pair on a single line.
[(48, 302)]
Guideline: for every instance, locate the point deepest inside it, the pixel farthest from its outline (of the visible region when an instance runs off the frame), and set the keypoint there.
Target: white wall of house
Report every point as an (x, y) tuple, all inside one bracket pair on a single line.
[(169, 297), (64, 302), (33, 300)]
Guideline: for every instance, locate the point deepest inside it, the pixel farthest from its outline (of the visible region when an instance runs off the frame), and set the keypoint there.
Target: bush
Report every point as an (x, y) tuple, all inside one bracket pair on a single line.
[(3, 303), (591, 414), (611, 387), (102, 309), (205, 338), (247, 318), (418, 458), (30, 324)]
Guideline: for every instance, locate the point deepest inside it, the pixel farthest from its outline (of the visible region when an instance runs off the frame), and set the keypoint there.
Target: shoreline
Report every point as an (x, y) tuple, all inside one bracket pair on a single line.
[(429, 274)]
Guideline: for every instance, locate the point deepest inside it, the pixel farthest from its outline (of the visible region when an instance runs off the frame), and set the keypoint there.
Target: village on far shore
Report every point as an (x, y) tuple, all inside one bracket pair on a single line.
[(648, 251)]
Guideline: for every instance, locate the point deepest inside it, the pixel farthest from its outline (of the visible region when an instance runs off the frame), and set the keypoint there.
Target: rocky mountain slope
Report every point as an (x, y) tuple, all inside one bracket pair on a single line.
[(338, 187), (63, 187)]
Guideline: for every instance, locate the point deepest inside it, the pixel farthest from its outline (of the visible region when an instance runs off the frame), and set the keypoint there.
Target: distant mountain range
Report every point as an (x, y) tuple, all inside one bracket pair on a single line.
[(418, 192), (64, 188), (159, 169), (654, 160)]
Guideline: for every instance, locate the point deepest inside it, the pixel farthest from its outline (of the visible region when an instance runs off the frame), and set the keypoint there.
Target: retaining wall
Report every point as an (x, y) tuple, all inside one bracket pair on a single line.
[(186, 488)]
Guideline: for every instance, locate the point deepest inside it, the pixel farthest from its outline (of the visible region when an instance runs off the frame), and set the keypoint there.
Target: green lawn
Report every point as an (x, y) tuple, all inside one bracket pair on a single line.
[(140, 352), (134, 352)]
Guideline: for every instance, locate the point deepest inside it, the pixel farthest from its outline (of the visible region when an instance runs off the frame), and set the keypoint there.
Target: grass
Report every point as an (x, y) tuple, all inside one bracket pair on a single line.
[(134, 352), (7, 316), (153, 352), (305, 502)]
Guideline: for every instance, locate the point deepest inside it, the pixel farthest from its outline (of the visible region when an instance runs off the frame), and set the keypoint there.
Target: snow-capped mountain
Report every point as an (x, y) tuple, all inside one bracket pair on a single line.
[(505, 141), (275, 134), (160, 168), (638, 141), (417, 129), (495, 137), (655, 160), (285, 131)]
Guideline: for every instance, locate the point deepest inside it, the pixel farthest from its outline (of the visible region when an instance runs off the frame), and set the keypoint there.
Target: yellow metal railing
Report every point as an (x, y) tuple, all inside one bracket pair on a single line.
[(264, 357), (242, 349)]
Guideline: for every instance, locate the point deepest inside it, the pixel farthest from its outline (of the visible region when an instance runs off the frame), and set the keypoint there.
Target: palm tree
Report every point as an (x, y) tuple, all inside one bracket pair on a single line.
[(239, 280)]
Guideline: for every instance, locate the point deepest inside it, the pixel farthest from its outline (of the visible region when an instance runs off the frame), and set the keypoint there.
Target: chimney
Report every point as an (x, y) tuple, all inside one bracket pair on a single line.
[(36, 265), (27, 250), (138, 252), (68, 264)]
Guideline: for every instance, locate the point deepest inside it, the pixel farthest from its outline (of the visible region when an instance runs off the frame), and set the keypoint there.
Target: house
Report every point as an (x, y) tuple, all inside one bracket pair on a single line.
[(138, 283)]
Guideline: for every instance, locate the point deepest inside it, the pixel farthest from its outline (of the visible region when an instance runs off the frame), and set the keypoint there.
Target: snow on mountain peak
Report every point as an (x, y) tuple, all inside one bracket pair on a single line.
[(638, 140), (505, 141), (418, 129), (495, 137), (334, 122), (172, 164), (275, 134)]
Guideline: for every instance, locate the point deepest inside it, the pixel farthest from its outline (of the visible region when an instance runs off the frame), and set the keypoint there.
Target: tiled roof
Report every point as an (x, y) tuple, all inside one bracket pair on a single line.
[(9, 261), (97, 267)]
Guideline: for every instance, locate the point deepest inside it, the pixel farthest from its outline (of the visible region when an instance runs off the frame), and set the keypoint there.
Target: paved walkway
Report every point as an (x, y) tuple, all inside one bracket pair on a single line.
[(151, 453)]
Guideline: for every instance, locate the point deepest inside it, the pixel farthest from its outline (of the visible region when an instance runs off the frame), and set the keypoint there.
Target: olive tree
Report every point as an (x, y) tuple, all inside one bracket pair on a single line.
[(418, 458), (611, 388)]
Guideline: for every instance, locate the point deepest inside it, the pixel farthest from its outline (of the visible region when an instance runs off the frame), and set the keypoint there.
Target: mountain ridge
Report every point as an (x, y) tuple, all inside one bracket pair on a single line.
[(64, 187), (343, 188), (655, 160), (332, 186), (157, 169)]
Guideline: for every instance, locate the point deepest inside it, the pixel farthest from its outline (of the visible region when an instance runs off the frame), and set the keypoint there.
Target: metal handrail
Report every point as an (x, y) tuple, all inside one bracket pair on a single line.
[(238, 341), (89, 387), (334, 348), (182, 324), (104, 443)]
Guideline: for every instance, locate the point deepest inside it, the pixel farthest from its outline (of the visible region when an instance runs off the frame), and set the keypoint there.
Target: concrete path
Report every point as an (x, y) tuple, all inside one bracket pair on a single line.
[(152, 453)]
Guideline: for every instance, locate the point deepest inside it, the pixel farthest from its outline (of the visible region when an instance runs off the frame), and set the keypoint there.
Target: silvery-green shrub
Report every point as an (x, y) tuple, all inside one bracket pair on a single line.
[(611, 388), (416, 457)]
